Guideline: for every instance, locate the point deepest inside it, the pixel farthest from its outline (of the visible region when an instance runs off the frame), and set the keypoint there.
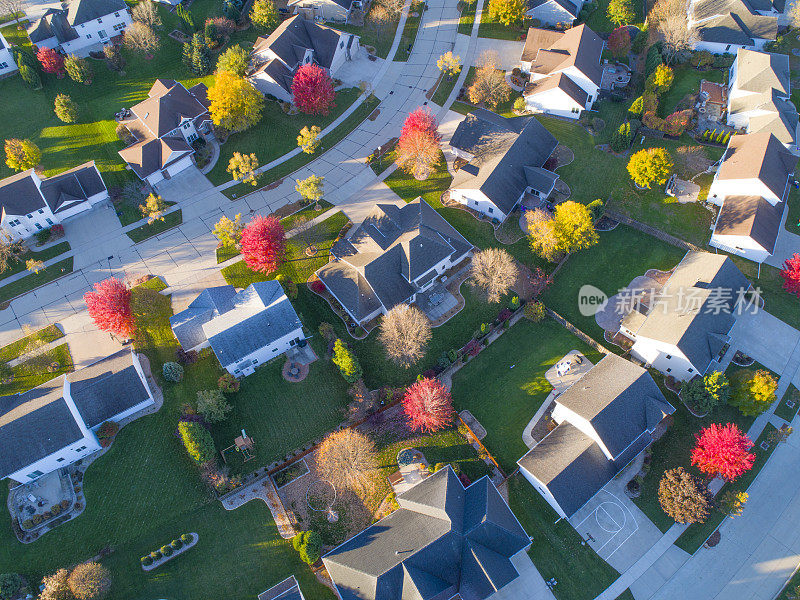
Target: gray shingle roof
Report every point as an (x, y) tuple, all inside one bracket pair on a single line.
[(294, 36), (753, 217), (288, 589), (187, 325), (33, 425), (19, 194), (614, 396), (690, 324), (443, 540), (259, 315), (391, 249), (107, 388), (758, 71), (731, 22), (502, 148), (82, 11), (167, 104)]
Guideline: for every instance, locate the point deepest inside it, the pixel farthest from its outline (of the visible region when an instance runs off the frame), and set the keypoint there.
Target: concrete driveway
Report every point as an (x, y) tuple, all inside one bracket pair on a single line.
[(787, 243), (186, 184), (765, 338), (95, 235), (508, 52)]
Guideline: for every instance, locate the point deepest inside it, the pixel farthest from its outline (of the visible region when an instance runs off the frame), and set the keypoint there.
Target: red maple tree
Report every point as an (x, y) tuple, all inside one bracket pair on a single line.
[(52, 62), (263, 244), (428, 405), (312, 90), (420, 120), (619, 41), (723, 450), (791, 274), (110, 307)]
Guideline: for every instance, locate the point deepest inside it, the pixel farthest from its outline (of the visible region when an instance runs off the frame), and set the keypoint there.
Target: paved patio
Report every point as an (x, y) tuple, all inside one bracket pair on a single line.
[(436, 302)]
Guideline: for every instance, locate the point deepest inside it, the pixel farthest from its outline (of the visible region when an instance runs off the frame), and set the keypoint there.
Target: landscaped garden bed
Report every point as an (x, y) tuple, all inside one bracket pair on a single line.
[(169, 551)]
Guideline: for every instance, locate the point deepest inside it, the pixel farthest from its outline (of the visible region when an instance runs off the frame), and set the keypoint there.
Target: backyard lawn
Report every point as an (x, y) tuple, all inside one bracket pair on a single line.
[(687, 82), (777, 301), (621, 255), (504, 385), (557, 549), (674, 448), (156, 495)]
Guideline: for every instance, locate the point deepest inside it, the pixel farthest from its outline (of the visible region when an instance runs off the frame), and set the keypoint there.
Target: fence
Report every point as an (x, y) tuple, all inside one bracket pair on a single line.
[(577, 332), (483, 448), (656, 233)]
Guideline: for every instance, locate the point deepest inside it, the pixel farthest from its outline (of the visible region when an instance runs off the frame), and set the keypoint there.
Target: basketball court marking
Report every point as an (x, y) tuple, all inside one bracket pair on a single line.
[(613, 518)]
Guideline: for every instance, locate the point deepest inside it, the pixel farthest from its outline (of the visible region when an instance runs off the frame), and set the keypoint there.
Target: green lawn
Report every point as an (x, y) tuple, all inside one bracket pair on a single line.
[(782, 410), (93, 137), (409, 34), (442, 93), (505, 109), (48, 334), (296, 265), (467, 18), (557, 549), (792, 223), (148, 230), (598, 21), (28, 375), (163, 497), (674, 448), (17, 266), (30, 282), (296, 162), (610, 179), (777, 301), (687, 82), (792, 588), (697, 533), (504, 385), (276, 134), (493, 29), (380, 39), (621, 255)]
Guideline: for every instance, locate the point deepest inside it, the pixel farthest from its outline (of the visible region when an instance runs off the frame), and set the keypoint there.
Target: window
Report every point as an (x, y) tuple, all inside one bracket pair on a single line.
[(192, 138), (491, 210), (255, 361), (691, 370), (274, 349), (341, 44), (669, 356), (38, 225), (88, 36), (49, 222), (669, 370), (116, 14), (29, 215), (187, 124), (60, 459), (728, 47), (292, 342), (3, 65), (589, 99), (41, 211), (35, 474), (102, 33), (119, 26), (81, 449)]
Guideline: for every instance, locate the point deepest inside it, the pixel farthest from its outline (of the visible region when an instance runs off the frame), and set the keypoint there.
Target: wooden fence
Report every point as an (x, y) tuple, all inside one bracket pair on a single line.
[(652, 231), (577, 332)]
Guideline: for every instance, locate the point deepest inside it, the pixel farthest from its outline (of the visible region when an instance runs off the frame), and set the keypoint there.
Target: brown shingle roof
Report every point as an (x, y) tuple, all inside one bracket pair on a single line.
[(152, 154), (751, 216), (560, 81), (552, 51), (758, 156), (167, 104)]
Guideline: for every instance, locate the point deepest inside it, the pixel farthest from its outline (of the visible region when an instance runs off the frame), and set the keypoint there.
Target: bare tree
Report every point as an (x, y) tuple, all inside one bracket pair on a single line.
[(10, 251), (347, 458), (13, 7), (146, 12), (494, 271), (670, 20), (141, 38), (489, 86), (691, 160), (393, 8), (405, 333), (378, 18)]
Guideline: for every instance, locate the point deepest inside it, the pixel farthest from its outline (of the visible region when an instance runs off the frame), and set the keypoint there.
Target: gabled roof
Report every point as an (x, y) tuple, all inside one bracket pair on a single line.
[(502, 148), (257, 316), (731, 22), (294, 36), (553, 51), (107, 388), (758, 71), (567, 5), (685, 315), (443, 540), (559, 81), (758, 156), (753, 217), (168, 103), (83, 11), (391, 249), (619, 399), (288, 589), (33, 425), (187, 325), (147, 156), (278, 72), (60, 23), (19, 194)]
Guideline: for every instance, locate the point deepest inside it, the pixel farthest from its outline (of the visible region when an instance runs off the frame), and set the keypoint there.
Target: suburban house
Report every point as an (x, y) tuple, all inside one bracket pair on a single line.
[(31, 203), (7, 64), (445, 541), (52, 426), (684, 329), (164, 127), (751, 186), (295, 42), (244, 329), (499, 162), (605, 419), (288, 589), (80, 26), (725, 26), (565, 70), (395, 254), (553, 12), (339, 11), (758, 99)]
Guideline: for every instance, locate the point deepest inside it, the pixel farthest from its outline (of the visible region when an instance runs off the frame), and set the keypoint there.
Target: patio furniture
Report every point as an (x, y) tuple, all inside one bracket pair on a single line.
[(31, 497), (563, 368)]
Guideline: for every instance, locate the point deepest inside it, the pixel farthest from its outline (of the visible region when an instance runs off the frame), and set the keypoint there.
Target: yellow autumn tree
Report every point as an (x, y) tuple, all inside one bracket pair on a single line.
[(235, 104)]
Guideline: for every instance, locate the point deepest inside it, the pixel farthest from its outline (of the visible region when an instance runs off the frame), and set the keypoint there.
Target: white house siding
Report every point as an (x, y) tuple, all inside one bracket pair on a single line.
[(740, 245), (340, 56), (29, 225), (155, 178), (542, 489), (265, 84), (69, 454), (477, 200), (655, 353), (94, 33), (265, 354), (179, 166), (721, 189), (586, 84), (550, 13), (561, 413), (7, 64), (718, 48), (554, 102)]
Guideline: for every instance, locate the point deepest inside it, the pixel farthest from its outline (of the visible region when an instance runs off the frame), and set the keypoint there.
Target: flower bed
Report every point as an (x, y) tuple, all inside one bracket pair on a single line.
[(168, 551)]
